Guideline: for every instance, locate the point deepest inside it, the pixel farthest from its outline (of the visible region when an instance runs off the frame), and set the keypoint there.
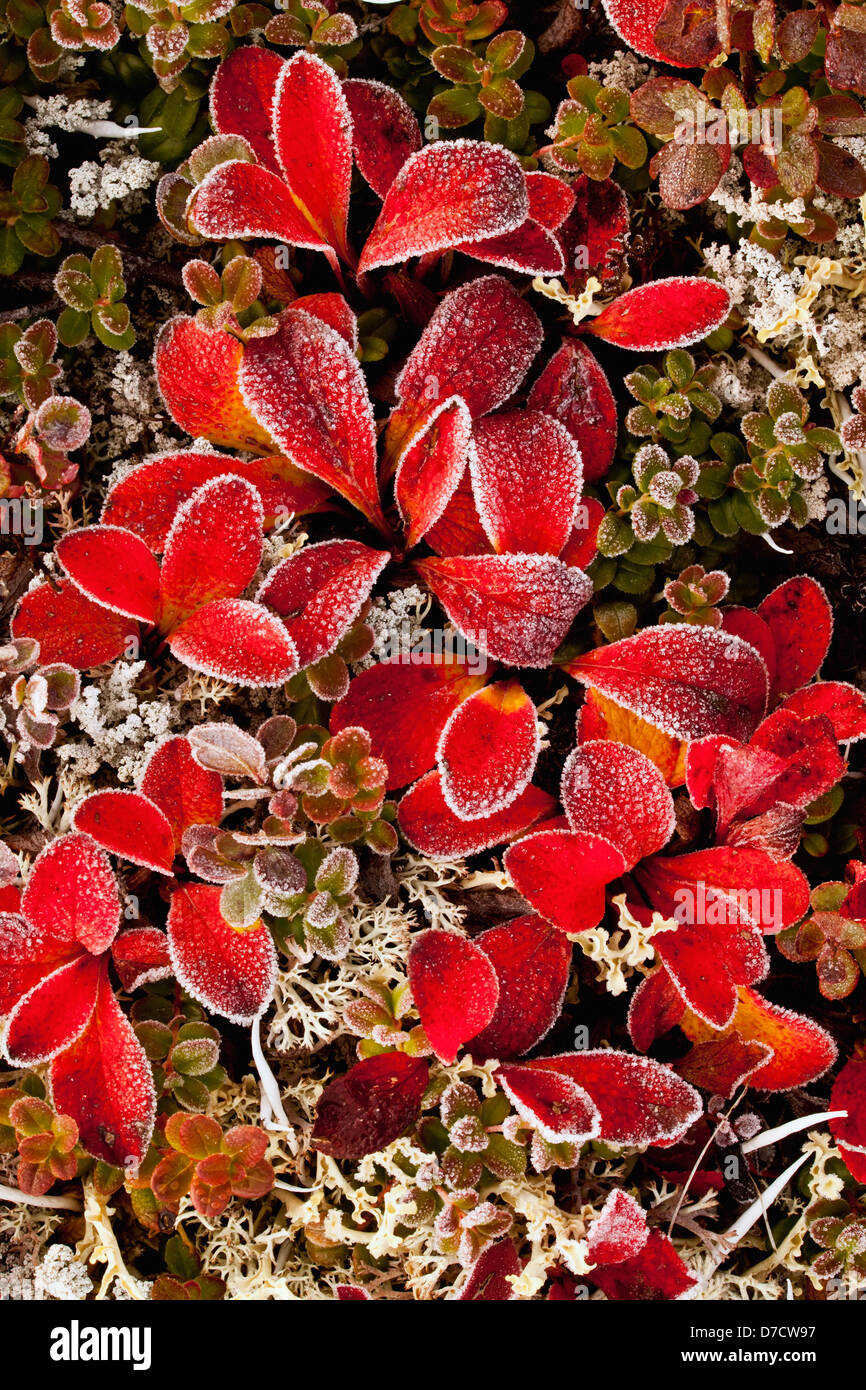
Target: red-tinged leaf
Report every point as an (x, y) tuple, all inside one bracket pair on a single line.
[(844, 705), (430, 827), (595, 235), (801, 1050), (707, 961), (575, 391), (657, 1274), (146, 499), (140, 957), (385, 131), (663, 314), (559, 1109), (726, 885), (490, 1278), (656, 1007), (53, 1014), (129, 825), (581, 547), (319, 592), (701, 768), (352, 1293), (10, 898), (313, 143), (365, 1110), (799, 616), (635, 21), (640, 1101), (335, 311), (530, 249), (743, 623), (532, 962), (231, 972), (449, 192), (478, 345), (454, 988), (305, 385), (430, 469), (723, 1064), (601, 718), (517, 608), (811, 761), (242, 99), (236, 641), (72, 895), (620, 1230), (488, 751), (105, 1083), (213, 549), (614, 791), (527, 478), (238, 201), (70, 628), (687, 681), (849, 1093), (545, 867), (459, 530), (27, 956), (550, 199), (198, 378), (113, 568), (404, 708), (185, 792)]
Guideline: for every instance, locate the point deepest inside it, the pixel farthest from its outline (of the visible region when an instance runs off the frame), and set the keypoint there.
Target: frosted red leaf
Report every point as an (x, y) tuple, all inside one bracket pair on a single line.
[(743, 623), (213, 549), (810, 761), (430, 827), (656, 1007), (849, 1093), (489, 1280), (447, 193), (527, 478), (844, 705), (335, 311), (799, 616), (140, 957), (28, 954), (581, 547), (687, 681), (701, 766), (236, 641), (103, 1080), (721, 1065), (113, 568), (454, 988), (385, 131), (640, 1101), (517, 608), (559, 1109), (238, 200), (129, 825), (532, 961), (53, 1014), (431, 467), (663, 314), (319, 592), (313, 143), (198, 378), (550, 199), (365, 1110), (615, 791), (352, 1293), (656, 1274), (575, 391), (488, 750), (747, 887), (70, 628), (547, 867), (231, 972), (242, 99), (185, 792), (620, 1231), (635, 21), (801, 1050), (404, 708), (595, 235), (531, 249), (72, 896), (459, 530), (305, 384), (707, 961)]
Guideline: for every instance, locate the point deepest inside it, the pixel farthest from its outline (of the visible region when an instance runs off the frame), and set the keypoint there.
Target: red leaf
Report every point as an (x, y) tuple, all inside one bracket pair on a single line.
[(801, 1051), (527, 478), (614, 791), (72, 895), (365, 1110), (581, 548), (849, 1093), (186, 793), (811, 765), (544, 867), (231, 972), (53, 1014), (619, 1232), (213, 550), (140, 956), (724, 884), (742, 622), (656, 1007), (385, 131), (104, 1082), (517, 608), (333, 310), (319, 592), (454, 988), (431, 467), (530, 248), (656, 1274), (701, 768), (313, 143), (236, 641), (844, 705), (532, 963), (459, 530), (635, 21), (128, 825), (595, 235), (352, 1293), (488, 751), (27, 956), (69, 628), (559, 1109), (489, 1280), (238, 200), (306, 386), (640, 1101), (113, 568), (198, 378), (242, 99), (447, 193), (430, 827), (799, 616), (404, 709), (723, 1064), (687, 681), (663, 314), (550, 199), (575, 391)]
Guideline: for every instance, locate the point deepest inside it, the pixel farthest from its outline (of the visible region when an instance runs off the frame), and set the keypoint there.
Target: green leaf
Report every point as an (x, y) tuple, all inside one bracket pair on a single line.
[(11, 251)]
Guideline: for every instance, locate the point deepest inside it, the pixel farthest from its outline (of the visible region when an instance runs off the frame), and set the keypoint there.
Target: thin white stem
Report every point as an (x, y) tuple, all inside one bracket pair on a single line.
[(773, 1136), (775, 546), (13, 1194), (766, 362), (273, 1114), (753, 1213)]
